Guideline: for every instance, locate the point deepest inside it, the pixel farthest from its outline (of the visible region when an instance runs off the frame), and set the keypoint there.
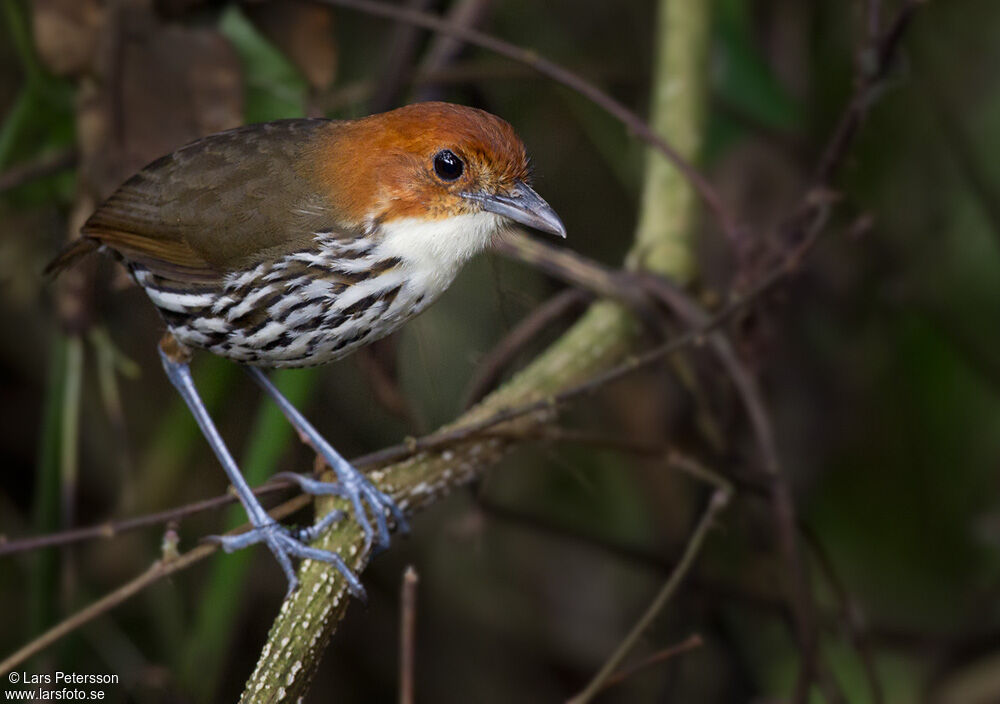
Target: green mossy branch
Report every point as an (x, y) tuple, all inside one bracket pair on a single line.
[(599, 340), (664, 239)]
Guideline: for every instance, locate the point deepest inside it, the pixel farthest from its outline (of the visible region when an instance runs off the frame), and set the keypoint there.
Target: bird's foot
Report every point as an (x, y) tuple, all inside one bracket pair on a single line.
[(287, 544), (353, 486)]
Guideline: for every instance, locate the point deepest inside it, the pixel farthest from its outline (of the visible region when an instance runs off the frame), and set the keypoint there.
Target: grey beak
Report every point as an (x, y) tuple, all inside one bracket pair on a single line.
[(523, 206)]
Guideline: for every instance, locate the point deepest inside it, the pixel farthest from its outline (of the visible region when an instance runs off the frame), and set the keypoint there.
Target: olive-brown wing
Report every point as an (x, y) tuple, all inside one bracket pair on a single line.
[(221, 204)]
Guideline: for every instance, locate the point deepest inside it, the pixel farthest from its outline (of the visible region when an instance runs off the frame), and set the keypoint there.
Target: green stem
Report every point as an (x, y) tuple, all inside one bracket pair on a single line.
[(667, 218), (42, 580), (69, 463), (20, 36)]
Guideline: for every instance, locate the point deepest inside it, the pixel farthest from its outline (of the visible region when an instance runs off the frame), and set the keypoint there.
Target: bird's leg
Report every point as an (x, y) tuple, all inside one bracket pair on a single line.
[(351, 484), (282, 542)]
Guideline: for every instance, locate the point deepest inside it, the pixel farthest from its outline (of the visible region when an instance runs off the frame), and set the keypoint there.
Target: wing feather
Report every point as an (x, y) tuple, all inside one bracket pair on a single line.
[(220, 204)]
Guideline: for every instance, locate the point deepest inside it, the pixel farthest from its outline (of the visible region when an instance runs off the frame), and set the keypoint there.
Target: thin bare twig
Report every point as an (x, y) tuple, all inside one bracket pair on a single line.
[(159, 569), (444, 50), (670, 456), (695, 335), (690, 643), (47, 165), (580, 271), (402, 47), (811, 218), (110, 529), (156, 572), (717, 502), (882, 54), (407, 635), (800, 596), (462, 73), (540, 319)]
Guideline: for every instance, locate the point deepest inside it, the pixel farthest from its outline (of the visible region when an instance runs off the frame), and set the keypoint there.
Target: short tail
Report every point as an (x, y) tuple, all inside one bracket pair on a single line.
[(71, 253)]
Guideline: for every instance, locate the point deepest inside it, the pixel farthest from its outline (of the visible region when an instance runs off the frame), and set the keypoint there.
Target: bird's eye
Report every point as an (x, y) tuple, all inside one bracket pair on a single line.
[(447, 166)]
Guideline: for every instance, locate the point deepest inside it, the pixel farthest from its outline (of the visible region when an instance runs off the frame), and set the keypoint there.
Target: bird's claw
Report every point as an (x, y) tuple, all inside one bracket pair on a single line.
[(285, 545), (356, 488)]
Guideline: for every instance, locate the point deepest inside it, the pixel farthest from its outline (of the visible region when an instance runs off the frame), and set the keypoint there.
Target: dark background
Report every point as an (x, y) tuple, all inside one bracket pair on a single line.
[(878, 360)]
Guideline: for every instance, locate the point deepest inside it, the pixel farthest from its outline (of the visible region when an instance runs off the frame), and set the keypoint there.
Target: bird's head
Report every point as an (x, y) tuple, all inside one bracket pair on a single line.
[(435, 162)]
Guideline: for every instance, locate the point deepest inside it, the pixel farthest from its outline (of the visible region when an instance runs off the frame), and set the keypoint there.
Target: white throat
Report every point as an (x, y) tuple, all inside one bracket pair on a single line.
[(434, 250)]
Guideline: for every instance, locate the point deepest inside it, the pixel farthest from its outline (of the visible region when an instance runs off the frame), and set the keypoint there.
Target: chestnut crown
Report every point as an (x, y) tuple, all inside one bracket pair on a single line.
[(431, 161)]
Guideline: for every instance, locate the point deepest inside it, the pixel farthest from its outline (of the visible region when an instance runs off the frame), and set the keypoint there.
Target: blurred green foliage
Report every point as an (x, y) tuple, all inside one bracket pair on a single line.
[(274, 89)]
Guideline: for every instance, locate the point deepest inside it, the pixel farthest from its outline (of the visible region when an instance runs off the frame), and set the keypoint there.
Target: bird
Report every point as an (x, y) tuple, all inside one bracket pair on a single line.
[(293, 243)]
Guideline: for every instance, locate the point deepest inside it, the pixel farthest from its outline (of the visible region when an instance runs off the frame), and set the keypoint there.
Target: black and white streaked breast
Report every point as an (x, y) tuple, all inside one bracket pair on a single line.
[(306, 308)]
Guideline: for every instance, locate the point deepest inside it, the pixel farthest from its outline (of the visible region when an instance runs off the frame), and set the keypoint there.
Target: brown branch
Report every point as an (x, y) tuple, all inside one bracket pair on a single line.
[(717, 502), (883, 53), (581, 272), (461, 433), (166, 567), (159, 569), (575, 269), (402, 47), (801, 598), (444, 50), (111, 529), (671, 456), (407, 635), (47, 165), (465, 72), (690, 643), (695, 334), (808, 222), (635, 124), (156, 572), (540, 319)]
